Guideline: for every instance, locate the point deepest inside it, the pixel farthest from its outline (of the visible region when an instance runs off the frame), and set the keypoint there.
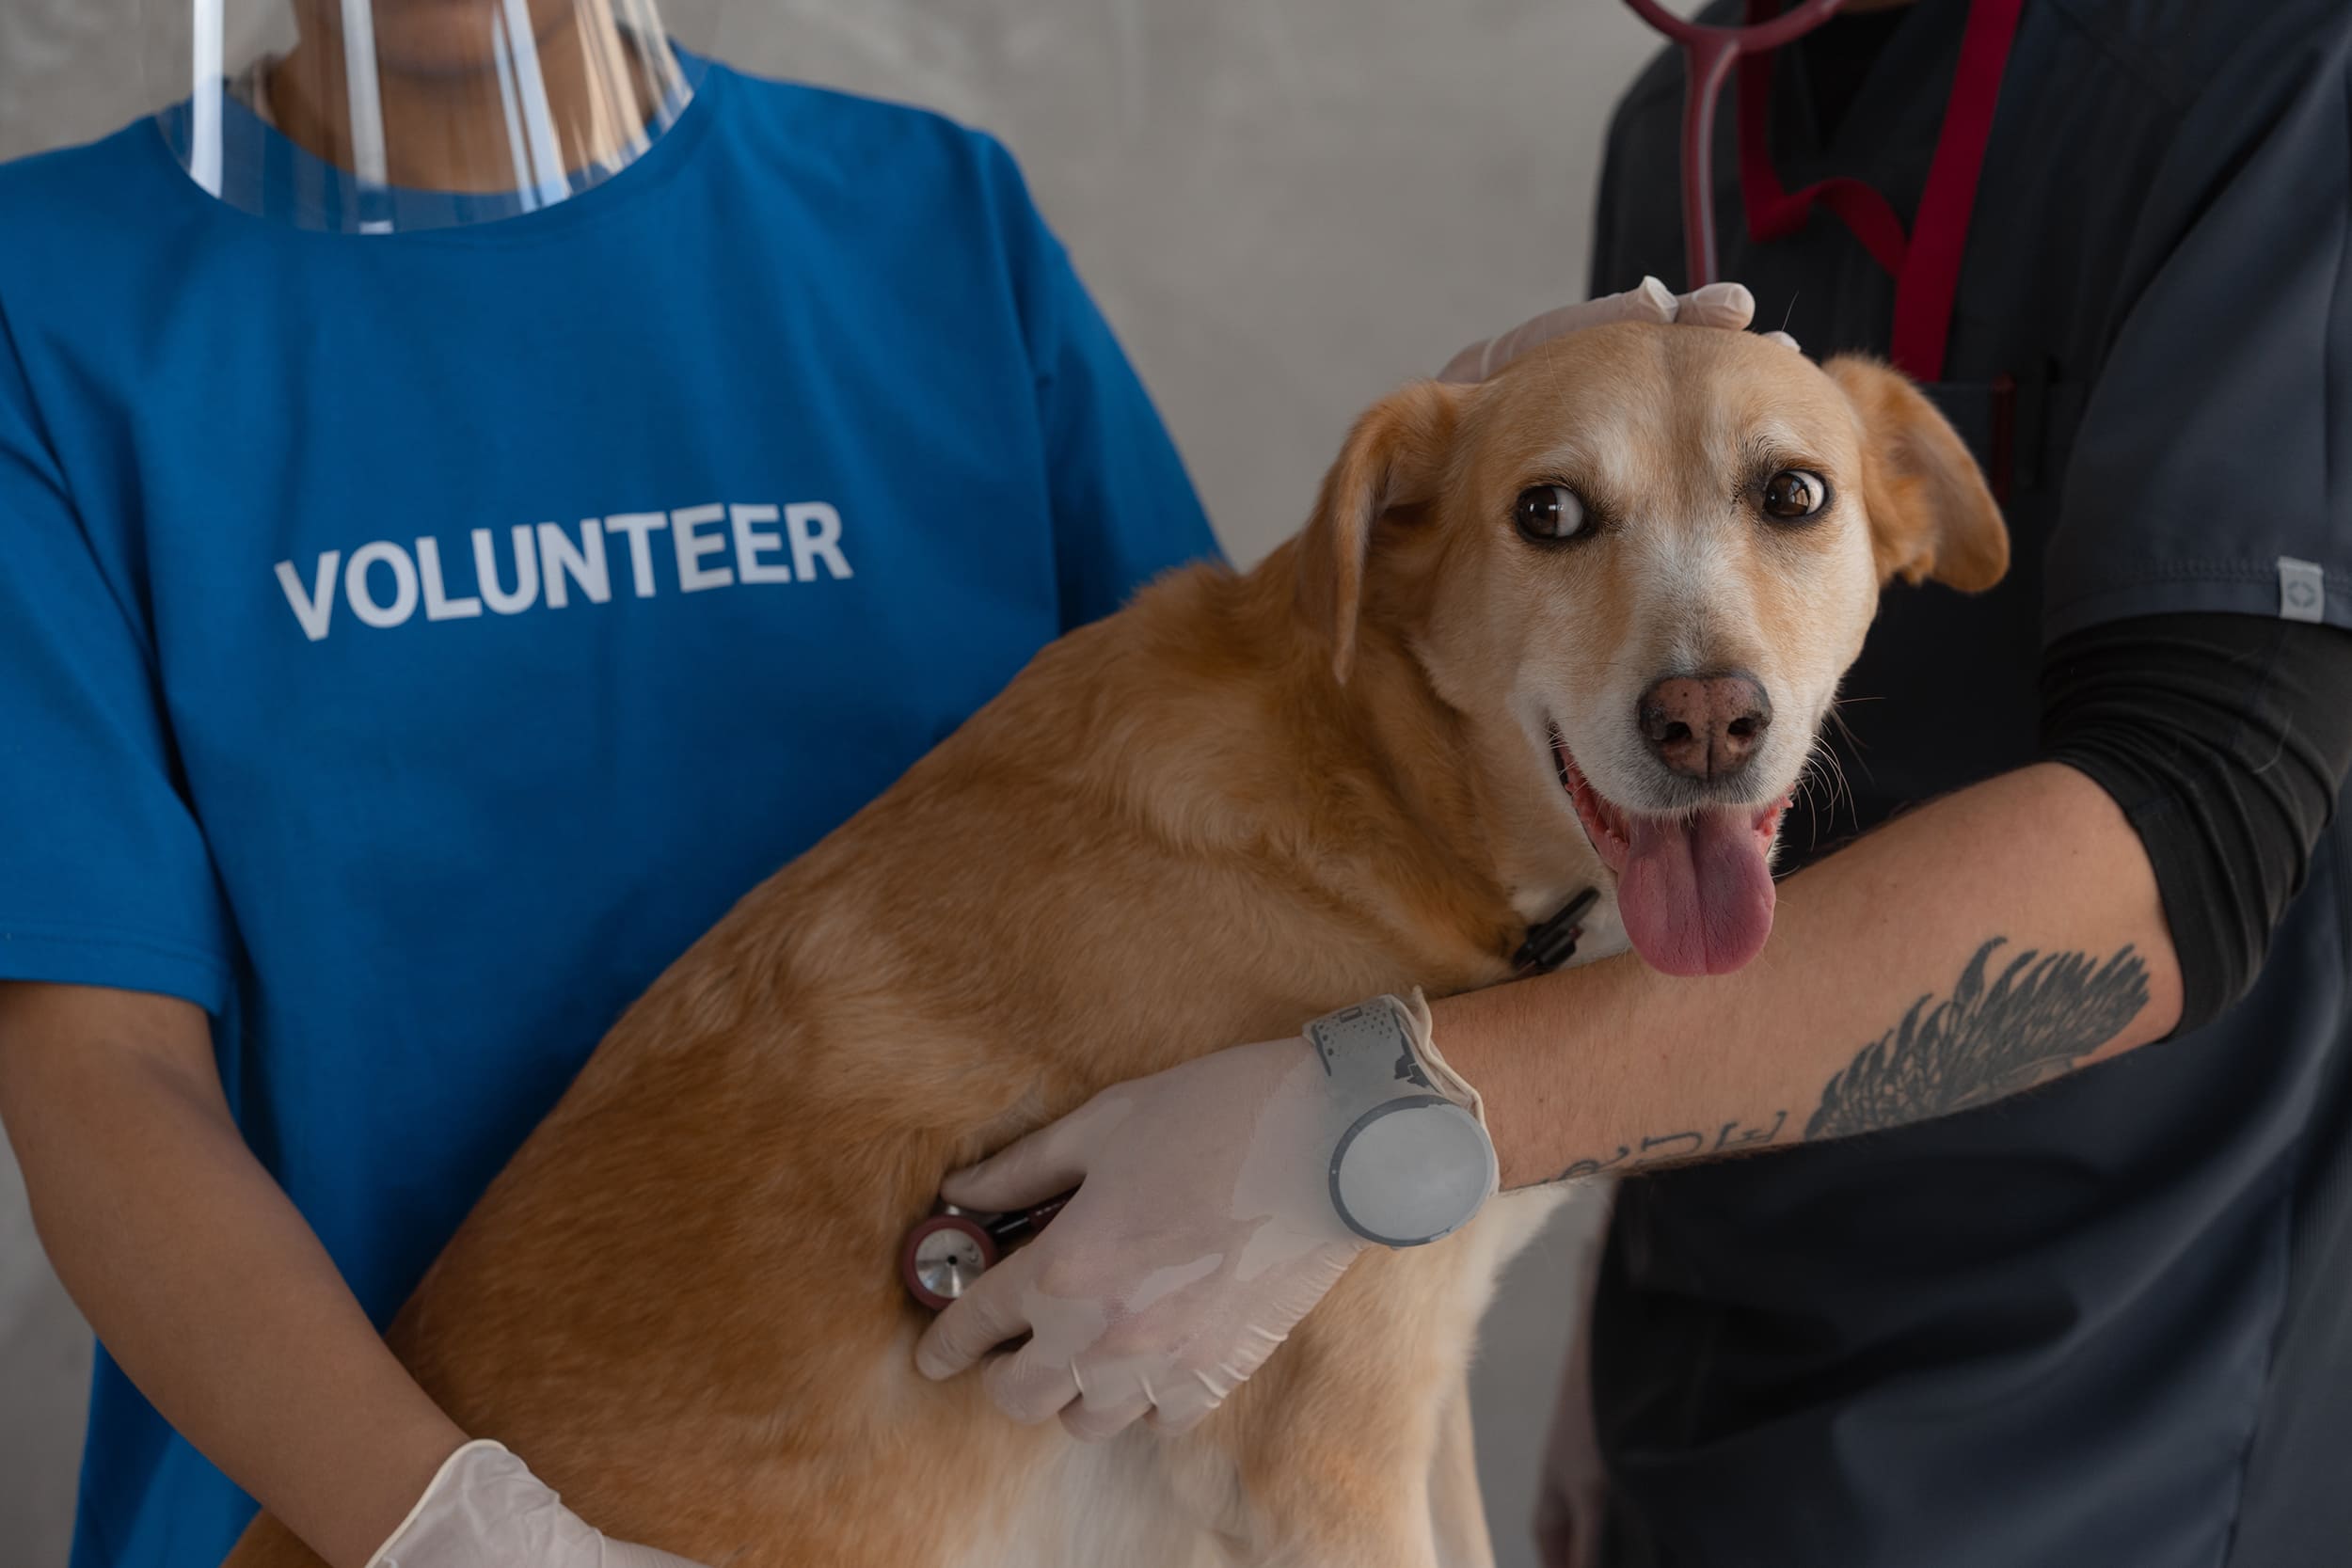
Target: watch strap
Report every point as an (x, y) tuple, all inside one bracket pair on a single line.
[(1383, 1048)]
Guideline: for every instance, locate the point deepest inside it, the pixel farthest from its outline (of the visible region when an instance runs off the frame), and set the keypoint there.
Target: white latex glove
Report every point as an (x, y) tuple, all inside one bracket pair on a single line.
[(1723, 305), (485, 1509), (1202, 1230)]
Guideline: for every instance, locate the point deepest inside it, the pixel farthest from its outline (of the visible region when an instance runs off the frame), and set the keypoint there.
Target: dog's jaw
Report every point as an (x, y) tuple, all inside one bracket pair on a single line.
[(1605, 826), (1608, 827), (1692, 890)]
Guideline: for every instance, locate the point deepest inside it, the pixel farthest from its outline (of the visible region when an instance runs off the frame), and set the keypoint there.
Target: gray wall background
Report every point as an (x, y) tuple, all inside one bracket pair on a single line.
[(1284, 206)]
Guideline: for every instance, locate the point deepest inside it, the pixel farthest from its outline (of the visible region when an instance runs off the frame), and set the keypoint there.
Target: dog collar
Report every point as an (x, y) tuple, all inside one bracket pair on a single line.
[(1552, 942)]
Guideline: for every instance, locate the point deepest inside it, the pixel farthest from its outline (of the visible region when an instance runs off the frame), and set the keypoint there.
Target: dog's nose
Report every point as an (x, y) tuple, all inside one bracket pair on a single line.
[(1705, 726)]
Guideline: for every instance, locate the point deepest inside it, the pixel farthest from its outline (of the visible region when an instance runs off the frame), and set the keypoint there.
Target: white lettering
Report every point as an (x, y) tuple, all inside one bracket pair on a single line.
[(716, 546), (362, 600), (816, 530), (557, 556), (318, 608), (693, 577), (637, 525), (485, 571), (438, 605), (749, 541)]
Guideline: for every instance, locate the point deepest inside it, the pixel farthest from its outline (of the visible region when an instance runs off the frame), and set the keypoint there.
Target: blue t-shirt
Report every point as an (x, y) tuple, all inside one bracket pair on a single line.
[(409, 644)]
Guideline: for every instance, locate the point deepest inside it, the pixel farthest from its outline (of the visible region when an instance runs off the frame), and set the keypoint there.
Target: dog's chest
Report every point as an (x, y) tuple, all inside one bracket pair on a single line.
[(1145, 1501), (1136, 1501)]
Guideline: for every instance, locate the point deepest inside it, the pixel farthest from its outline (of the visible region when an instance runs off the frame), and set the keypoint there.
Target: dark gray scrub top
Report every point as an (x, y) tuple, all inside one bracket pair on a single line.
[(2109, 1321)]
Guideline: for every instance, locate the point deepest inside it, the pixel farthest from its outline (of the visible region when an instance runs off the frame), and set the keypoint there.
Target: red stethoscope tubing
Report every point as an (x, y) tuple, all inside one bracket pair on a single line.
[(1925, 262), (1708, 55)]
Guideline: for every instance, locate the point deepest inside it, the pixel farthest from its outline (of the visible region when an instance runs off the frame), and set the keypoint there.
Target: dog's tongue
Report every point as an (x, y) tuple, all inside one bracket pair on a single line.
[(1695, 895)]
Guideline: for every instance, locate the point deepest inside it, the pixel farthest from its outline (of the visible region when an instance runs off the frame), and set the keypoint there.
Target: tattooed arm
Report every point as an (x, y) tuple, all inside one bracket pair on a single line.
[(1994, 940)]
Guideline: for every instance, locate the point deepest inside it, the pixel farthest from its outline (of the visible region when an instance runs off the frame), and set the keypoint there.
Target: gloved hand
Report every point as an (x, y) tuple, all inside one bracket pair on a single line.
[(1203, 1228), (485, 1509), (1725, 305)]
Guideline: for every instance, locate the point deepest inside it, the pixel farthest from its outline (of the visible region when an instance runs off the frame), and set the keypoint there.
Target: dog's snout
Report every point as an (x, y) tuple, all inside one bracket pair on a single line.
[(1705, 726)]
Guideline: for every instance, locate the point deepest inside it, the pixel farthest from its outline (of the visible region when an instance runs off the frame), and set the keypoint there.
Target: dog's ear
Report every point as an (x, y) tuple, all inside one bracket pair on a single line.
[(1394, 462), (1931, 514)]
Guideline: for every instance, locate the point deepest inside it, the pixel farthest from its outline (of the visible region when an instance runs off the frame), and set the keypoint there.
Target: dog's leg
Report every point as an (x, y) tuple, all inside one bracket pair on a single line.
[(1337, 1439), (1457, 1511), (1353, 1443)]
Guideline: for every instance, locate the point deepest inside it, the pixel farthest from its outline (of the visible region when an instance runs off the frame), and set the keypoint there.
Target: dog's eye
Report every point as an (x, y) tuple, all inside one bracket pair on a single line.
[(1794, 493), (1549, 513)]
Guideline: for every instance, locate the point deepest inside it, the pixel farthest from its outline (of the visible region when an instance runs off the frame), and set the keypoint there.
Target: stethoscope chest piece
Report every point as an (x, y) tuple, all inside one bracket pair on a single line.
[(943, 1255)]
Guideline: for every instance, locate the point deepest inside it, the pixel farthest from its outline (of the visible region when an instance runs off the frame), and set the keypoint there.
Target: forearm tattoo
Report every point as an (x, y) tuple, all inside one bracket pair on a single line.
[(2038, 1018), (1691, 1144)]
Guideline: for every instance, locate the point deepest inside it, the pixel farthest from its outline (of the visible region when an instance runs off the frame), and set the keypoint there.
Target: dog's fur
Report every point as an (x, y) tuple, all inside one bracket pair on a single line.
[(1242, 801)]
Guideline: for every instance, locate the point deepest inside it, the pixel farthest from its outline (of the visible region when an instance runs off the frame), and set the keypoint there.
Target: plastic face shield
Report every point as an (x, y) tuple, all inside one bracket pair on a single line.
[(372, 116)]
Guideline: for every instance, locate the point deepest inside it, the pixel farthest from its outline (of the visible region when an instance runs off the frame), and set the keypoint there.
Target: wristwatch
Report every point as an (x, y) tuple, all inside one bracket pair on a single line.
[(1411, 1161)]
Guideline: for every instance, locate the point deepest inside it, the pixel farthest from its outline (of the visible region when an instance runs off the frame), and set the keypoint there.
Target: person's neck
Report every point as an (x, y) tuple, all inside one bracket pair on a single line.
[(455, 132)]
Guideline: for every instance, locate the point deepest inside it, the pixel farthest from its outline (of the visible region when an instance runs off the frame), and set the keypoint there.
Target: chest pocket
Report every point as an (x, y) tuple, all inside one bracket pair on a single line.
[(2020, 429)]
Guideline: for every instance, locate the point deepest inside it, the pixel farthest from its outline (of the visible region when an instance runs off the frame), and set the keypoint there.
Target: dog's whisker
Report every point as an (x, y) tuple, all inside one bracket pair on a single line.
[(1821, 782), (1843, 785)]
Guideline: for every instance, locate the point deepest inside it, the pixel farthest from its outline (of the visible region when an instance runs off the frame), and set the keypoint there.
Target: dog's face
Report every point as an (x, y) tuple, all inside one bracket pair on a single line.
[(1637, 564)]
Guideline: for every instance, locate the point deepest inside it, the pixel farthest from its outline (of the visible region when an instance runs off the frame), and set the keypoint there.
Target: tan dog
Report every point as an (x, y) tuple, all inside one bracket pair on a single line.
[(1589, 588)]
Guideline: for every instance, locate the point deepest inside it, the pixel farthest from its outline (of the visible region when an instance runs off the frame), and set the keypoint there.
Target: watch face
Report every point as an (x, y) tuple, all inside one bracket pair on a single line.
[(1411, 1170)]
